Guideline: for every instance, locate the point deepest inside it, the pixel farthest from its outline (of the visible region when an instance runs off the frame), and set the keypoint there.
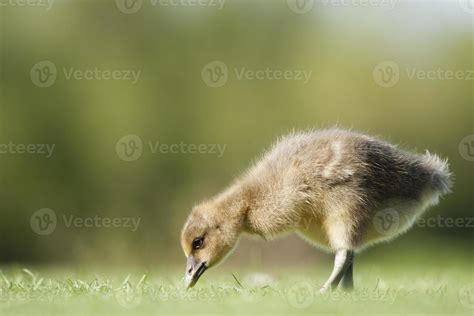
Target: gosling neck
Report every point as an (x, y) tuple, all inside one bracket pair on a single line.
[(238, 202), (234, 202)]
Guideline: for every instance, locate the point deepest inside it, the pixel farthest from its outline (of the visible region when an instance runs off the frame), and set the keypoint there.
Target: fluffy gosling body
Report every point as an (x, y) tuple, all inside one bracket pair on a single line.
[(327, 186)]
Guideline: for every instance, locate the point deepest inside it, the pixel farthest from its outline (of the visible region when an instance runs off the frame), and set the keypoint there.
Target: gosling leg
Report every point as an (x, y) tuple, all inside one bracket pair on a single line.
[(341, 263), (347, 282)]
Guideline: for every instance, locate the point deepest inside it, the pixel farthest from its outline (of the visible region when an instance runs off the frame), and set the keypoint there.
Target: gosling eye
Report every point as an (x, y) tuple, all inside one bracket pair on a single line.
[(197, 243)]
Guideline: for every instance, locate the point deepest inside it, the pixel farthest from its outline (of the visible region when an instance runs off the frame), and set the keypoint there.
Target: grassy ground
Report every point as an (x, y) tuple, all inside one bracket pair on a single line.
[(385, 287)]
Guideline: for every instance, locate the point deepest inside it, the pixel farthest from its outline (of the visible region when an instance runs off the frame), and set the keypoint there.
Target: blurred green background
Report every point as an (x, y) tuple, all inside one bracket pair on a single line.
[(343, 46)]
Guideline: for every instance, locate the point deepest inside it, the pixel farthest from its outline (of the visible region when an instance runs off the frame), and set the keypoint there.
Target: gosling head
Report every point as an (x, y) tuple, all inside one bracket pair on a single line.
[(209, 235)]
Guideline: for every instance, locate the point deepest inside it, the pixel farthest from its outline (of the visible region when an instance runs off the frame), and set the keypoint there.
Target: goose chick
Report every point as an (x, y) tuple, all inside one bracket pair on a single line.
[(328, 186)]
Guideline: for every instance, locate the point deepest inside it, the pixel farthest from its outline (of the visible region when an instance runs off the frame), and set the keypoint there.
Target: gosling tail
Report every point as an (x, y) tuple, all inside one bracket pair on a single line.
[(441, 177)]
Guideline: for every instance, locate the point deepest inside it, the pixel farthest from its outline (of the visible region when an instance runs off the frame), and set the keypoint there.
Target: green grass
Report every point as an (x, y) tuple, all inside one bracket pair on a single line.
[(404, 279), (395, 288)]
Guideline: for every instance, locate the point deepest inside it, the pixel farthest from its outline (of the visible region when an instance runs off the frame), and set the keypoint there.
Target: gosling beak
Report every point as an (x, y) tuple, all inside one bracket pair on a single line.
[(194, 269)]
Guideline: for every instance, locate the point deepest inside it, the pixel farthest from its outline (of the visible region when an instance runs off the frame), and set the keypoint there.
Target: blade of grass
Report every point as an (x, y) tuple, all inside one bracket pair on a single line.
[(237, 281), (143, 279)]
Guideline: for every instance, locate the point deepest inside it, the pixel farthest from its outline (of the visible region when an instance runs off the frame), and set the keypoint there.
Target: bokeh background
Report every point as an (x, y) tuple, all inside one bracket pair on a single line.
[(345, 47)]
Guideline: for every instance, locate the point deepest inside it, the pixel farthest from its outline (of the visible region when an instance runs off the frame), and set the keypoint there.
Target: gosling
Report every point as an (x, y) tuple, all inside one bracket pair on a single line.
[(340, 190)]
